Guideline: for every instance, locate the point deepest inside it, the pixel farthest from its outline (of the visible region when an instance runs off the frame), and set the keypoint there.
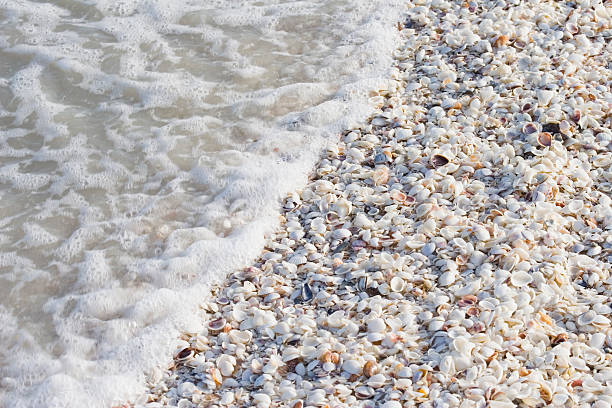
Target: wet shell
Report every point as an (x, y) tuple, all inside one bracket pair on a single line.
[(544, 139)]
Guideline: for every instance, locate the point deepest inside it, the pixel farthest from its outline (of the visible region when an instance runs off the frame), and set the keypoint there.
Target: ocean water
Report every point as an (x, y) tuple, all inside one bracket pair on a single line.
[(144, 149)]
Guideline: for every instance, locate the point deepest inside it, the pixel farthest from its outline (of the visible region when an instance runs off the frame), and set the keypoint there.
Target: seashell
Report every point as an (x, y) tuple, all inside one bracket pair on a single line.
[(438, 160), (377, 325), (520, 279), (380, 158), (565, 128), (544, 96), (306, 293), (559, 338), (216, 325), (526, 107), (397, 284), (376, 381), (597, 340), (370, 368), (447, 278), (529, 128), (380, 175), (225, 364), (184, 354), (341, 233), (298, 404), (468, 300), (572, 28), (544, 139), (587, 318), (391, 404), (352, 367), (501, 41), (364, 392), (223, 300), (575, 117), (240, 336)]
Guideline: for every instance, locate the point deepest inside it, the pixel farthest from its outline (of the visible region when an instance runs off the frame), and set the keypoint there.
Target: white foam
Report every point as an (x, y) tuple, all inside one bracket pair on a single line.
[(145, 146)]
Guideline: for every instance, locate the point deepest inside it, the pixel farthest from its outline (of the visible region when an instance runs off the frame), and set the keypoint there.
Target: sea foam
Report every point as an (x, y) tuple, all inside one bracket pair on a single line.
[(144, 148)]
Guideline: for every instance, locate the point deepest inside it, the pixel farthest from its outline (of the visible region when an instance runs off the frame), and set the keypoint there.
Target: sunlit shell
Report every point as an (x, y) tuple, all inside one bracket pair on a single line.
[(520, 279)]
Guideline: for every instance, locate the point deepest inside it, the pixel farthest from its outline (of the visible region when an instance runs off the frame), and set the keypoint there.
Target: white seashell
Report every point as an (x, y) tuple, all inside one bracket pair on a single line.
[(376, 381), (447, 278), (520, 279), (239, 336), (263, 399), (544, 97), (186, 389), (377, 325), (586, 318), (227, 398), (391, 404), (397, 284), (597, 340), (352, 366), (362, 221), (341, 233), (225, 364)]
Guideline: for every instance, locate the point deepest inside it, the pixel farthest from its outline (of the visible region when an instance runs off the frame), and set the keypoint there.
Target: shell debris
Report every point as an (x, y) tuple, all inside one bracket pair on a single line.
[(455, 250)]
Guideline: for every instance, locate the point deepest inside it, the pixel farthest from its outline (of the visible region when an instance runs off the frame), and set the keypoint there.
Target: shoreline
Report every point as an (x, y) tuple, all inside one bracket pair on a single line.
[(455, 248)]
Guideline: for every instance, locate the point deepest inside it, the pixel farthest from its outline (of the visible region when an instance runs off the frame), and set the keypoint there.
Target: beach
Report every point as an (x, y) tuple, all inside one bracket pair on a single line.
[(454, 250)]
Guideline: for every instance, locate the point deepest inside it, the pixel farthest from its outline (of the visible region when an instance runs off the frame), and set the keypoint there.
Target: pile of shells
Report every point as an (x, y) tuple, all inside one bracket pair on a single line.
[(454, 251)]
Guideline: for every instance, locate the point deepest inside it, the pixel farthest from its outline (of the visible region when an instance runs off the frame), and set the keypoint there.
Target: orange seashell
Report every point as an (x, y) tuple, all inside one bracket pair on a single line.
[(501, 41), (545, 318)]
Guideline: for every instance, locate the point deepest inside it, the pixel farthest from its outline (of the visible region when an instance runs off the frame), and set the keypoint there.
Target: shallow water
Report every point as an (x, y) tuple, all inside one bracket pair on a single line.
[(144, 146)]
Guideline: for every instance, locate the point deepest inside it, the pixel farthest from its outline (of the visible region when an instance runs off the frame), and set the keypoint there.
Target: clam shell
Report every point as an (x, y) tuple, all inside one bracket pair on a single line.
[(529, 128), (520, 279), (438, 160), (544, 139), (397, 284), (216, 325)]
